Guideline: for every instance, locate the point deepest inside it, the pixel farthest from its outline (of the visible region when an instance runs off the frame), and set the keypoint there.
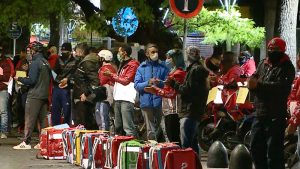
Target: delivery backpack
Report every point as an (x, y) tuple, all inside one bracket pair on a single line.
[(158, 153), (99, 152), (128, 154), (87, 143), (182, 158), (51, 143), (113, 144)]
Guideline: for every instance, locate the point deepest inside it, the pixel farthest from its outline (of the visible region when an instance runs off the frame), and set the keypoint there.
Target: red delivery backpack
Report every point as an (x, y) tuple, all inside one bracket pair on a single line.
[(158, 153), (182, 158), (113, 145), (99, 152)]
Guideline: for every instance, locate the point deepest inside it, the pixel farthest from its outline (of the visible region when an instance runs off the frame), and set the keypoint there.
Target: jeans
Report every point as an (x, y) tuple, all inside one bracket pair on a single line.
[(102, 115), (35, 109), (3, 110), (61, 102), (189, 133), (152, 118), (124, 118), (267, 141)]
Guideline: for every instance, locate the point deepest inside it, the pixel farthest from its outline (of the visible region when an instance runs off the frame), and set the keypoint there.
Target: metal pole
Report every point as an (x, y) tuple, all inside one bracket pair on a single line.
[(185, 27), (125, 39), (14, 53), (91, 38)]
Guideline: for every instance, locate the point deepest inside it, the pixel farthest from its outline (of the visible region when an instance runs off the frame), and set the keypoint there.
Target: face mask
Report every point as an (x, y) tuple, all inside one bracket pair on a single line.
[(242, 60), (65, 55), (275, 56), (78, 58), (169, 63), (154, 57), (120, 59), (212, 67), (191, 58)]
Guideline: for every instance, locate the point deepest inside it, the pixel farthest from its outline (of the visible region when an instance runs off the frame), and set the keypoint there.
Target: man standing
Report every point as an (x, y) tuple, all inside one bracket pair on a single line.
[(5, 72), (124, 92), (151, 72), (194, 91), (61, 100), (38, 81), (271, 85)]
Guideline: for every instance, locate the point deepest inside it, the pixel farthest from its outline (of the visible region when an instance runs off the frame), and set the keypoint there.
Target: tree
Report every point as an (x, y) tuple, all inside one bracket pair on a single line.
[(287, 26)]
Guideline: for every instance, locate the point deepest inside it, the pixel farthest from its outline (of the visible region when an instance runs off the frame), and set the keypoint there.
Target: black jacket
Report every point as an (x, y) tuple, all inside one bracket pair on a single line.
[(86, 76), (273, 88), (64, 69), (194, 91)]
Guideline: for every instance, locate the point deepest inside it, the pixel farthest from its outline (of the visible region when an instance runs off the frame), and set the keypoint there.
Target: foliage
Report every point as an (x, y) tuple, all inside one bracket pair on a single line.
[(220, 25)]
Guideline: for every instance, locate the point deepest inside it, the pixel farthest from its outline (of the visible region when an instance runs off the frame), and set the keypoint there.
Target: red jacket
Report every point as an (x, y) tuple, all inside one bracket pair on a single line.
[(5, 73), (232, 75), (168, 92), (295, 97), (248, 68), (127, 73), (105, 79), (52, 60)]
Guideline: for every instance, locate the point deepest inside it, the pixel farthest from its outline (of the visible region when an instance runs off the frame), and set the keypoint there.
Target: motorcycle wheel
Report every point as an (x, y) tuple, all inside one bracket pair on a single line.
[(205, 128)]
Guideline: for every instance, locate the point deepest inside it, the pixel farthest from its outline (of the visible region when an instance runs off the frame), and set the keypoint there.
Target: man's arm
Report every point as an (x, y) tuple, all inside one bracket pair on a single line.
[(129, 76), (32, 75), (139, 83)]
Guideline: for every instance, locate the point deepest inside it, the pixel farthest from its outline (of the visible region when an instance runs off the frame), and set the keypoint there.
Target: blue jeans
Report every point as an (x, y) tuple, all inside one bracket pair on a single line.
[(102, 115), (152, 117), (61, 101), (124, 118), (3, 110), (189, 133)]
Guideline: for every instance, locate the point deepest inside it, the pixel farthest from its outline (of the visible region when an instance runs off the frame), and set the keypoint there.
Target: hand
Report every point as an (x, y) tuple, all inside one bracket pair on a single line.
[(150, 89), (107, 73), (83, 97), (169, 82), (154, 81), (290, 130), (252, 83), (63, 83), (16, 78)]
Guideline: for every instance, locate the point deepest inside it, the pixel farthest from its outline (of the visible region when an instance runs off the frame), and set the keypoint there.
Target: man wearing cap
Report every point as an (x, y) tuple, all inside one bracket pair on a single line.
[(38, 81), (64, 67), (271, 85), (103, 107)]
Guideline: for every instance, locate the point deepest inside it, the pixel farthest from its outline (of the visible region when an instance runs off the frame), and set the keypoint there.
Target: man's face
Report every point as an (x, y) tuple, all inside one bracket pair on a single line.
[(151, 51), (79, 53), (122, 53)]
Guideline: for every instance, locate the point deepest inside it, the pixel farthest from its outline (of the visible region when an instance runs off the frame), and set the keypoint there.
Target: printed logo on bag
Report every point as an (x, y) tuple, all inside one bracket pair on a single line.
[(184, 165)]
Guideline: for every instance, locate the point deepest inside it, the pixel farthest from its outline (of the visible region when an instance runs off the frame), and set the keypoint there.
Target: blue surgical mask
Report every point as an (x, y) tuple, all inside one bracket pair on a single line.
[(169, 63)]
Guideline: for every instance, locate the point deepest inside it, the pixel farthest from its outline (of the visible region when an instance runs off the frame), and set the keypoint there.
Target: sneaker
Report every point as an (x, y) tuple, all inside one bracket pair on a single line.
[(3, 136), (37, 146), (22, 146)]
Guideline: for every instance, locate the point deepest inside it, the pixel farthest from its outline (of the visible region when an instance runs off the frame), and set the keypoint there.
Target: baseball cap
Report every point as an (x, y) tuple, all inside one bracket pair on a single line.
[(277, 44), (106, 54), (66, 46)]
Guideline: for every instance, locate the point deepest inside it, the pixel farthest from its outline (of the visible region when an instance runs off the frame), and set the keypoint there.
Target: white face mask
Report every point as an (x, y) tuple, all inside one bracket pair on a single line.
[(154, 57)]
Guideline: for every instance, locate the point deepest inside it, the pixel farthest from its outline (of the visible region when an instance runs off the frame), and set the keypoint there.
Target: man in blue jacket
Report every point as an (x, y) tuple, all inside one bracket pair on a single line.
[(151, 72), (38, 82)]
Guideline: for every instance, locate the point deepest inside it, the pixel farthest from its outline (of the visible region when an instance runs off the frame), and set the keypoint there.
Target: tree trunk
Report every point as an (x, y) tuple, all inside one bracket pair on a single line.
[(270, 18), (287, 26), (54, 29)]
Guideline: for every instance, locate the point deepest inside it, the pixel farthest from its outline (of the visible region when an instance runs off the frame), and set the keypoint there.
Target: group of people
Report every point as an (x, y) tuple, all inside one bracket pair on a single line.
[(87, 86)]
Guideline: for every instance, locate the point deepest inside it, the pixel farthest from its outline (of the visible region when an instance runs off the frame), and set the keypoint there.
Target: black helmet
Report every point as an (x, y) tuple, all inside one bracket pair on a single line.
[(36, 46)]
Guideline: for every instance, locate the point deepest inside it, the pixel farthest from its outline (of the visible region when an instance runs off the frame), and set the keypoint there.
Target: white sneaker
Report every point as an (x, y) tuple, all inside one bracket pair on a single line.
[(22, 146), (3, 136), (37, 146)]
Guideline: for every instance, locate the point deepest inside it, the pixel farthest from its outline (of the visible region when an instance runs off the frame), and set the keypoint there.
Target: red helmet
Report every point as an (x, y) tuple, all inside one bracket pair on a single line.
[(36, 46), (277, 44)]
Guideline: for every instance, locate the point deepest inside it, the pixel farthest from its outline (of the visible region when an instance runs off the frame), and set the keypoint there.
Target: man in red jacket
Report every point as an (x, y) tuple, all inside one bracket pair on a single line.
[(124, 86), (5, 73)]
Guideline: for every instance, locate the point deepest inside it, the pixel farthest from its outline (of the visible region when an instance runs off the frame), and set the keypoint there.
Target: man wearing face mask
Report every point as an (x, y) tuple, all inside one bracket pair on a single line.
[(152, 72), (194, 91), (271, 85), (64, 67), (124, 92)]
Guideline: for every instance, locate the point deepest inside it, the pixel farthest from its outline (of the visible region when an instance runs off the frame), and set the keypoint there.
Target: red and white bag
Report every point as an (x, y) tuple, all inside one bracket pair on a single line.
[(51, 143), (158, 153), (182, 158), (99, 152), (112, 146)]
